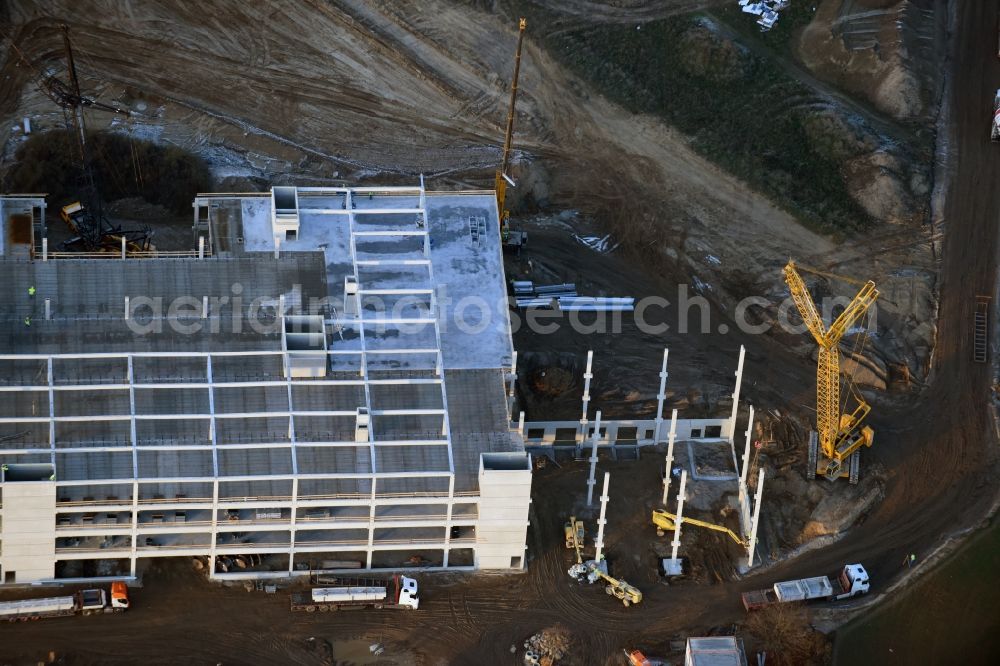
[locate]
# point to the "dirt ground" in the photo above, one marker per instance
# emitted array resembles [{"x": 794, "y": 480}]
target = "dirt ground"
[
  {"x": 407, "y": 93},
  {"x": 460, "y": 621}
]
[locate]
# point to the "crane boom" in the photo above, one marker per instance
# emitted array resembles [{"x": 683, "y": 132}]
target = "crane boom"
[
  {"x": 838, "y": 434},
  {"x": 501, "y": 182}
]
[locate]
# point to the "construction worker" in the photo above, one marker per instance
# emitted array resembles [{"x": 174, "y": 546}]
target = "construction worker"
[
  {"x": 31, "y": 291},
  {"x": 27, "y": 321}
]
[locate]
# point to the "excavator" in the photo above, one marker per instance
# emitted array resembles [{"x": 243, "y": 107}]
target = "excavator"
[
  {"x": 574, "y": 532},
  {"x": 667, "y": 522},
  {"x": 839, "y": 435}
]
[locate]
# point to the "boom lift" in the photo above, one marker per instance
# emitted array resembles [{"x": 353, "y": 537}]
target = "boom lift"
[
  {"x": 840, "y": 434},
  {"x": 667, "y": 522}
]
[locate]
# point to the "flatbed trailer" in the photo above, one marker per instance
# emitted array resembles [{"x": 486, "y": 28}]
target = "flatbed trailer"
[
  {"x": 84, "y": 602},
  {"x": 850, "y": 582},
  {"x": 399, "y": 592}
]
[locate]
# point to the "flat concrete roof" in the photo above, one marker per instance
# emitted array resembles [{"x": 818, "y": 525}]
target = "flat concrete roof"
[{"x": 177, "y": 399}]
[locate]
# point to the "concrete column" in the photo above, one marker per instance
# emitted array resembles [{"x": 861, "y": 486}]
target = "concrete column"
[
  {"x": 591, "y": 481},
  {"x": 587, "y": 376},
  {"x": 126, "y": 307},
  {"x": 277, "y": 247},
  {"x": 676, "y": 544},
  {"x": 744, "y": 508},
  {"x": 123, "y": 247},
  {"x": 281, "y": 305},
  {"x": 670, "y": 455},
  {"x": 513, "y": 375},
  {"x": 45, "y": 249},
  {"x": 520, "y": 424},
  {"x": 660, "y": 397},
  {"x": 512, "y": 380},
  {"x": 602, "y": 521},
  {"x": 447, "y": 520},
  {"x": 204, "y": 307},
  {"x": 201, "y": 245},
  {"x": 731, "y": 428},
  {"x": 48, "y": 309},
  {"x": 756, "y": 518}
]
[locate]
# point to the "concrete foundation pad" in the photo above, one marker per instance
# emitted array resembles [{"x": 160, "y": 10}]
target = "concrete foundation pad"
[{"x": 672, "y": 566}]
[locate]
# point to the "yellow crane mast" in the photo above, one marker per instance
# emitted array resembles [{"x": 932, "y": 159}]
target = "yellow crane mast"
[
  {"x": 501, "y": 175},
  {"x": 840, "y": 434}
]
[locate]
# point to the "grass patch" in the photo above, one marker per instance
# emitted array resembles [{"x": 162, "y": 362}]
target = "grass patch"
[
  {"x": 741, "y": 111},
  {"x": 949, "y": 617},
  {"x": 124, "y": 167}
]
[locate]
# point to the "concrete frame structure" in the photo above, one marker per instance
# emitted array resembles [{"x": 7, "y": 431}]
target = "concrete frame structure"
[{"x": 361, "y": 460}]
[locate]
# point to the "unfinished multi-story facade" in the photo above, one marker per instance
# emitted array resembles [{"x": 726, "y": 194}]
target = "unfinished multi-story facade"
[{"x": 320, "y": 385}]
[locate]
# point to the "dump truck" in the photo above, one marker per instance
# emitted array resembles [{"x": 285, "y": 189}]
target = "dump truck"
[
  {"x": 851, "y": 582},
  {"x": 995, "y": 125},
  {"x": 84, "y": 602},
  {"x": 355, "y": 593}
]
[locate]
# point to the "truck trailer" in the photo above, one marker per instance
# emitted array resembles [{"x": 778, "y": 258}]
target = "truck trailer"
[
  {"x": 84, "y": 602},
  {"x": 354, "y": 593},
  {"x": 851, "y": 582},
  {"x": 995, "y": 125}
]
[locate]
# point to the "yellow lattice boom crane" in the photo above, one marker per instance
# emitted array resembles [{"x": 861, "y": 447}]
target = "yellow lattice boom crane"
[
  {"x": 840, "y": 434},
  {"x": 511, "y": 240}
]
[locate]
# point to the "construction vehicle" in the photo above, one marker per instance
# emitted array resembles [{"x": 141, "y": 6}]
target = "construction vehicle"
[
  {"x": 512, "y": 241},
  {"x": 839, "y": 435},
  {"x": 574, "y": 532},
  {"x": 96, "y": 234},
  {"x": 851, "y": 582},
  {"x": 618, "y": 588},
  {"x": 995, "y": 125},
  {"x": 637, "y": 658},
  {"x": 84, "y": 602},
  {"x": 91, "y": 229},
  {"x": 354, "y": 593},
  {"x": 667, "y": 522}
]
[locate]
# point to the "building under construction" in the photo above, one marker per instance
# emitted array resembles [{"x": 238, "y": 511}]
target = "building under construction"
[{"x": 320, "y": 384}]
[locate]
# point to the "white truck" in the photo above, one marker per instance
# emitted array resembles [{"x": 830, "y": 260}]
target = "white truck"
[
  {"x": 352, "y": 593},
  {"x": 995, "y": 125},
  {"x": 852, "y": 581},
  {"x": 84, "y": 602}
]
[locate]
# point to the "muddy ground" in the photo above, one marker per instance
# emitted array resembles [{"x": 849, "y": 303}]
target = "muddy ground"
[{"x": 408, "y": 94}]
